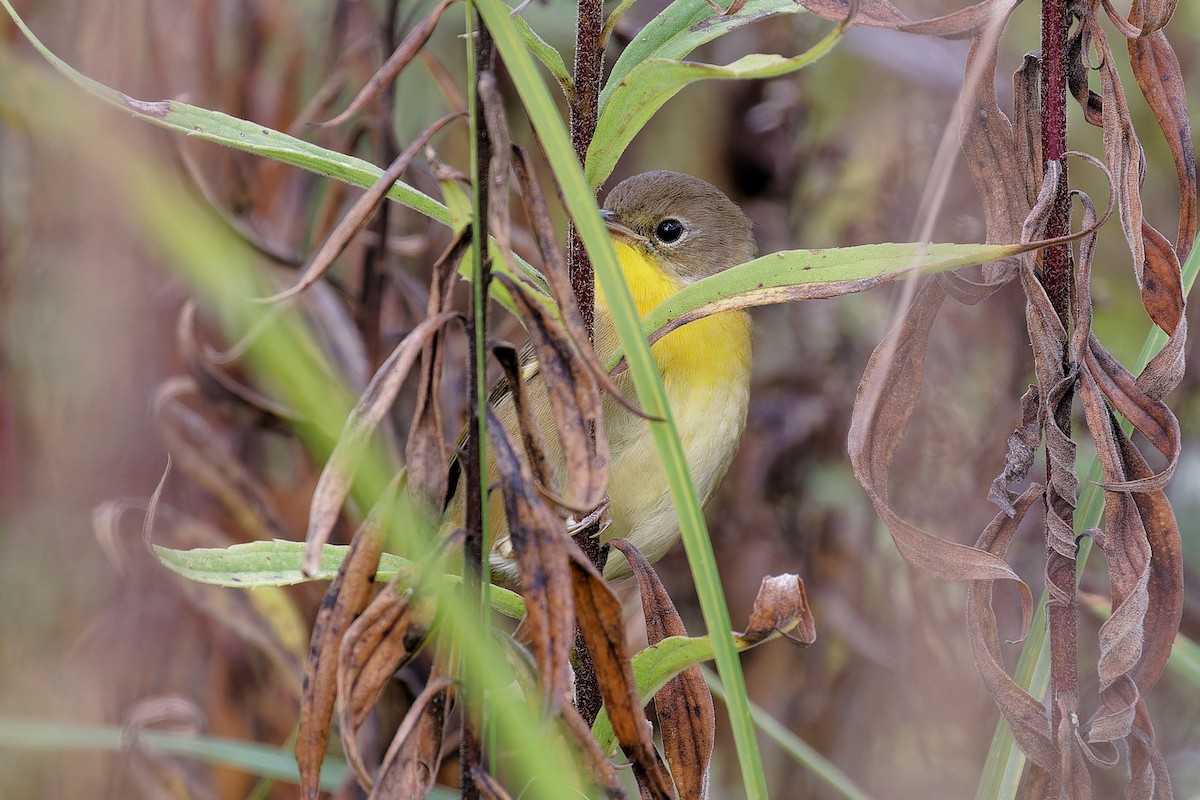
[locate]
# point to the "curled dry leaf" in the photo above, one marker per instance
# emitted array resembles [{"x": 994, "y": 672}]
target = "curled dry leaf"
[
  {"x": 1025, "y": 714},
  {"x": 960, "y": 24},
  {"x": 531, "y": 433},
  {"x": 388, "y": 633},
  {"x": 197, "y": 449},
  {"x": 359, "y": 214},
  {"x": 410, "y": 765},
  {"x": 1157, "y": 72},
  {"x": 884, "y": 405},
  {"x": 600, "y": 770},
  {"x": 334, "y": 484},
  {"x": 425, "y": 450},
  {"x": 558, "y": 278},
  {"x": 213, "y": 382},
  {"x": 539, "y": 544},
  {"x": 574, "y": 400},
  {"x": 598, "y": 613},
  {"x": 346, "y": 597},
  {"x": 156, "y": 774},
  {"x": 780, "y": 607},
  {"x": 397, "y": 61},
  {"x": 684, "y": 706}
]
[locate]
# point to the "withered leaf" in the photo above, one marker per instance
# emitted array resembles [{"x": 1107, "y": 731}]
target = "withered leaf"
[
  {"x": 884, "y": 405},
  {"x": 425, "y": 450},
  {"x": 390, "y": 631},
  {"x": 334, "y": 484},
  {"x": 397, "y": 61},
  {"x": 600, "y": 622},
  {"x": 684, "y": 706},
  {"x": 1022, "y": 447},
  {"x": 556, "y": 273},
  {"x": 531, "y": 432},
  {"x": 359, "y": 214},
  {"x": 1025, "y": 714},
  {"x": 1151, "y": 417},
  {"x": 346, "y": 597},
  {"x": 410, "y": 765},
  {"x": 781, "y": 606},
  {"x": 574, "y": 399},
  {"x": 1158, "y": 75},
  {"x": 539, "y": 543},
  {"x": 199, "y": 451}
]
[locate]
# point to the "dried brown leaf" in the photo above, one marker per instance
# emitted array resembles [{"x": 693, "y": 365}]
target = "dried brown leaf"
[
  {"x": 397, "y": 61},
  {"x": 1122, "y": 150},
  {"x": 1157, "y": 72},
  {"x": 212, "y": 380},
  {"x": 1150, "y": 416},
  {"x": 574, "y": 399},
  {"x": 199, "y": 451},
  {"x": 780, "y": 607},
  {"x": 391, "y": 630},
  {"x": 540, "y": 546},
  {"x": 556, "y": 274},
  {"x": 601, "y": 624},
  {"x": 601, "y": 772},
  {"x": 886, "y": 399},
  {"x": 410, "y": 765},
  {"x": 684, "y": 705},
  {"x": 360, "y": 214},
  {"x": 1025, "y": 714},
  {"x": 425, "y": 450},
  {"x": 1019, "y": 454},
  {"x": 960, "y": 24},
  {"x": 334, "y": 484},
  {"x": 346, "y": 597}
]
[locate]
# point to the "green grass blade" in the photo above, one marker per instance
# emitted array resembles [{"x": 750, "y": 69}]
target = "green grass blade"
[
  {"x": 1005, "y": 762},
  {"x": 551, "y": 59},
  {"x": 276, "y": 763},
  {"x": 581, "y": 204}
]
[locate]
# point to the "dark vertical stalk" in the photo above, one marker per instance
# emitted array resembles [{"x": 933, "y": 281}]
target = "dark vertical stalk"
[
  {"x": 474, "y": 550},
  {"x": 374, "y": 272},
  {"x": 1057, "y": 277},
  {"x": 584, "y": 109}
]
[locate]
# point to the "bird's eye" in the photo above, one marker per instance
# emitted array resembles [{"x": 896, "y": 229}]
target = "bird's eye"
[{"x": 669, "y": 230}]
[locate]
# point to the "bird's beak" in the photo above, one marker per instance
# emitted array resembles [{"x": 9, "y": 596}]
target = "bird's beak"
[{"x": 618, "y": 230}]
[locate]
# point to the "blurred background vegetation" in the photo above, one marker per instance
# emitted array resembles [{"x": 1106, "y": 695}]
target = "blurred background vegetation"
[{"x": 833, "y": 155}]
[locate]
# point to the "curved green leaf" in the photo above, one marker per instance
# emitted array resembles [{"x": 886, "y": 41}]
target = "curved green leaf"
[
  {"x": 278, "y": 562},
  {"x": 812, "y": 274},
  {"x": 551, "y": 59},
  {"x": 649, "y": 85},
  {"x": 682, "y": 27}
]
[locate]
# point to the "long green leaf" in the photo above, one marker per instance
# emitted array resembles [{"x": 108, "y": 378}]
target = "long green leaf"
[
  {"x": 649, "y": 85},
  {"x": 279, "y": 563},
  {"x": 581, "y": 203},
  {"x": 683, "y": 26},
  {"x": 812, "y": 274},
  {"x": 1005, "y": 762}
]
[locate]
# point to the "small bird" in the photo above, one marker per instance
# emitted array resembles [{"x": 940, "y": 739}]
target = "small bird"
[{"x": 669, "y": 230}]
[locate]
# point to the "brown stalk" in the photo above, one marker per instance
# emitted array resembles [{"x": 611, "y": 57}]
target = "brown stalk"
[
  {"x": 585, "y": 109},
  {"x": 1056, "y": 277}
]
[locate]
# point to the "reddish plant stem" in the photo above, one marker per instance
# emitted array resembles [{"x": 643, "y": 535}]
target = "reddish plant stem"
[
  {"x": 584, "y": 110},
  {"x": 1058, "y": 279}
]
